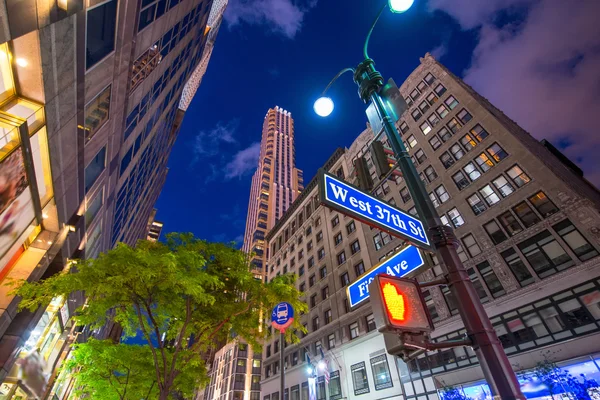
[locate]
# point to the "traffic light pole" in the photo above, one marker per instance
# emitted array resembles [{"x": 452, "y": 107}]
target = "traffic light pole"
[{"x": 490, "y": 353}]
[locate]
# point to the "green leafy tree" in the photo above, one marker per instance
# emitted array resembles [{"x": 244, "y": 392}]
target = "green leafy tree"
[
  {"x": 105, "y": 370},
  {"x": 184, "y": 296}
]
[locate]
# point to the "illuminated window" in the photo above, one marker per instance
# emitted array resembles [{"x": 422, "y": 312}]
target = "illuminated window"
[
  {"x": 484, "y": 162},
  {"x": 381, "y": 372},
  {"x": 93, "y": 207},
  {"x": 97, "y": 113},
  {"x": 145, "y": 64},
  {"x": 543, "y": 204},
  {"x": 497, "y": 152},
  {"x": 353, "y": 329},
  {"x": 503, "y": 185}
]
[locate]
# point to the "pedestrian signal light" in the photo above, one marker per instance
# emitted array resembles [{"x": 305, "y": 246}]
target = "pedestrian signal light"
[{"x": 398, "y": 305}]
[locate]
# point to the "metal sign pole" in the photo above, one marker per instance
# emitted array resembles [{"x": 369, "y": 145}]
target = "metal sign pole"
[{"x": 282, "y": 358}]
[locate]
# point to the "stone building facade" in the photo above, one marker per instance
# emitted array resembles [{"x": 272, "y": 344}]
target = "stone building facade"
[{"x": 528, "y": 223}]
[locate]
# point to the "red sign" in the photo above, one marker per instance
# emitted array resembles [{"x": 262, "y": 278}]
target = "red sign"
[{"x": 398, "y": 305}]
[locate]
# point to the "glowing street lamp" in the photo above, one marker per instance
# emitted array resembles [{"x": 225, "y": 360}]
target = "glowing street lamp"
[
  {"x": 400, "y": 6},
  {"x": 323, "y": 106}
]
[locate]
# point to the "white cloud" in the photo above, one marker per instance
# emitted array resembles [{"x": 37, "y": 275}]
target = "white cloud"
[
  {"x": 243, "y": 162},
  {"x": 542, "y": 73},
  {"x": 206, "y": 143},
  {"x": 439, "y": 51},
  {"x": 282, "y": 17}
]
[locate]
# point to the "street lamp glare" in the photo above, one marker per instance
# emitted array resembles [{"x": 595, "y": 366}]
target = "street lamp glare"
[
  {"x": 309, "y": 370},
  {"x": 323, "y": 106},
  {"x": 400, "y": 6},
  {"x": 321, "y": 365}
]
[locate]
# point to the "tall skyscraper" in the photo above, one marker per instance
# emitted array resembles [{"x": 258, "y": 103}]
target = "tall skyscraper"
[
  {"x": 89, "y": 95},
  {"x": 235, "y": 371},
  {"x": 529, "y": 227},
  {"x": 275, "y": 184}
]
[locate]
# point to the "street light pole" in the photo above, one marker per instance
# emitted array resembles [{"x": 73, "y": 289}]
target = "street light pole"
[{"x": 488, "y": 348}]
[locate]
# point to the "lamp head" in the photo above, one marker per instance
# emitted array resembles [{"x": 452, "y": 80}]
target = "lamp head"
[
  {"x": 400, "y": 6},
  {"x": 323, "y": 106}
]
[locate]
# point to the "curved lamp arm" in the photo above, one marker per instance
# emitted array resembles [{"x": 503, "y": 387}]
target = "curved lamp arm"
[
  {"x": 371, "y": 31},
  {"x": 342, "y": 72}
]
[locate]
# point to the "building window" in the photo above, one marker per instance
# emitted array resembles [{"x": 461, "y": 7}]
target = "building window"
[
  {"x": 424, "y": 106},
  {"x": 430, "y": 78},
  {"x": 100, "y": 34},
  {"x": 359, "y": 268},
  {"x": 576, "y": 242},
  {"x": 430, "y": 173},
  {"x": 517, "y": 175},
  {"x": 442, "y": 194},
  {"x": 450, "y": 300},
  {"x": 425, "y": 128},
  {"x": 97, "y": 113},
  {"x": 471, "y": 245},
  {"x": 489, "y": 195},
  {"x": 335, "y": 386},
  {"x": 321, "y": 253},
  {"x": 442, "y": 111},
  {"x": 405, "y": 194},
  {"x": 93, "y": 207},
  {"x": 371, "y": 323},
  {"x": 416, "y": 114},
  {"x": 483, "y": 296},
  {"x": 432, "y": 98},
  {"x": 302, "y": 287},
  {"x": 497, "y": 152},
  {"x": 315, "y": 324},
  {"x": 444, "y": 220},
  {"x": 309, "y": 245},
  {"x": 484, "y": 162},
  {"x": 353, "y": 329},
  {"x": 404, "y": 127},
  {"x": 345, "y": 279},
  {"x": 323, "y": 272},
  {"x": 319, "y": 236},
  {"x": 543, "y": 204},
  {"x": 430, "y": 305},
  {"x": 464, "y": 116},
  {"x": 545, "y": 255},
  {"x": 468, "y": 142},
  {"x": 311, "y": 262},
  {"x": 331, "y": 340},
  {"x": 381, "y": 372},
  {"x": 412, "y": 142},
  {"x": 510, "y": 224},
  {"x": 490, "y": 279},
  {"x": 341, "y": 258},
  {"x": 335, "y": 221},
  {"x": 479, "y": 133},
  {"x": 518, "y": 268},
  {"x": 434, "y": 119},
  {"x": 526, "y": 214},
  {"x": 451, "y": 102},
  {"x": 95, "y": 168},
  {"x": 472, "y": 171},
  {"x": 444, "y": 134},
  {"x": 351, "y": 227},
  {"x": 312, "y": 280},
  {"x": 440, "y": 90},
  {"x": 338, "y": 238},
  {"x": 435, "y": 142},
  {"x": 328, "y": 317},
  {"x": 503, "y": 185},
  {"x": 495, "y": 232},
  {"x": 460, "y": 180},
  {"x": 453, "y": 125},
  {"x": 457, "y": 151},
  {"x": 313, "y": 300},
  {"x": 456, "y": 218},
  {"x": 477, "y": 205},
  {"x": 420, "y": 156},
  {"x": 447, "y": 160},
  {"x": 355, "y": 247},
  {"x": 415, "y": 94},
  {"x": 300, "y": 254}
]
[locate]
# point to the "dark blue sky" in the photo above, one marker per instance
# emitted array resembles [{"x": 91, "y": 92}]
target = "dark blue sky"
[{"x": 261, "y": 60}]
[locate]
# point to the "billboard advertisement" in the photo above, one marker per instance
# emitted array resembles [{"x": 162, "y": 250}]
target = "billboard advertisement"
[{"x": 16, "y": 209}]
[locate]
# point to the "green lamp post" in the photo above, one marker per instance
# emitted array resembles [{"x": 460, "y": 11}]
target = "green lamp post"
[{"x": 492, "y": 358}]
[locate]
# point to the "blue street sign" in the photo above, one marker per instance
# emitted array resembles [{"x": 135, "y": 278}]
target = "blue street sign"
[
  {"x": 282, "y": 316},
  {"x": 349, "y": 200},
  {"x": 404, "y": 262}
]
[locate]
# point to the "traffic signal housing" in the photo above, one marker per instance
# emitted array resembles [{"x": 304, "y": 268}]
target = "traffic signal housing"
[
  {"x": 361, "y": 168},
  {"x": 398, "y": 305},
  {"x": 383, "y": 158}
]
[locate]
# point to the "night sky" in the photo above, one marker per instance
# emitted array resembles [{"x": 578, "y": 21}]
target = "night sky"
[{"x": 537, "y": 60}]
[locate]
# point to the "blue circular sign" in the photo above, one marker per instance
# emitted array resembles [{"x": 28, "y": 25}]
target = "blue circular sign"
[{"x": 282, "y": 316}]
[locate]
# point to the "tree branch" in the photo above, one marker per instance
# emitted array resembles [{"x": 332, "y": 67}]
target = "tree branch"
[
  {"x": 147, "y": 336},
  {"x": 161, "y": 343},
  {"x": 181, "y": 337}
]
